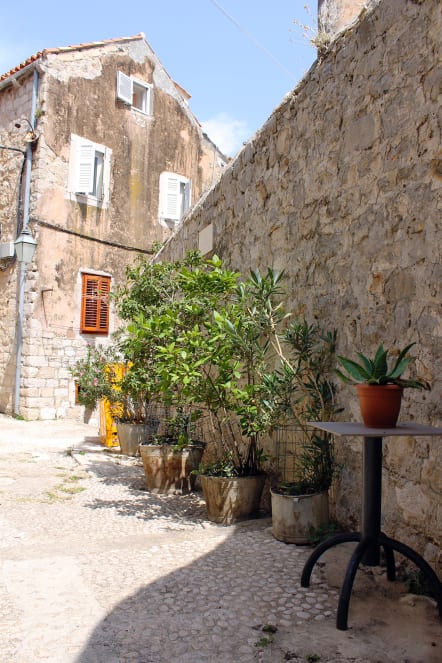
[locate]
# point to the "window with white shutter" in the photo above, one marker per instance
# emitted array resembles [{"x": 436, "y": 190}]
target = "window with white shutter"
[
  {"x": 175, "y": 196},
  {"x": 124, "y": 88},
  {"x": 134, "y": 93},
  {"x": 89, "y": 172}
]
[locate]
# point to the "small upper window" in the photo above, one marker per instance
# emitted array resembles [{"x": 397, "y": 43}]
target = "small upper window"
[
  {"x": 134, "y": 92},
  {"x": 89, "y": 171}
]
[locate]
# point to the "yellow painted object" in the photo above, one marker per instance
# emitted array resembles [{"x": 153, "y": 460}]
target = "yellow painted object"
[
  {"x": 108, "y": 413},
  {"x": 108, "y": 427}
]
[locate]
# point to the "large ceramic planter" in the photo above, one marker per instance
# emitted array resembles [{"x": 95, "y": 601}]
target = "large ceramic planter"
[
  {"x": 170, "y": 471},
  {"x": 229, "y": 500},
  {"x": 131, "y": 435},
  {"x": 294, "y": 518},
  {"x": 380, "y": 404}
]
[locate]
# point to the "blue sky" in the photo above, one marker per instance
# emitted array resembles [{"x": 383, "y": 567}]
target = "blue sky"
[{"x": 237, "y": 58}]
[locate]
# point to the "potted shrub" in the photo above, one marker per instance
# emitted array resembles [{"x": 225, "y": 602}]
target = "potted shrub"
[
  {"x": 214, "y": 339},
  {"x": 134, "y": 404},
  {"x": 243, "y": 394},
  {"x": 304, "y": 457},
  {"x": 171, "y": 455},
  {"x": 126, "y": 381},
  {"x": 93, "y": 380},
  {"x": 379, "y": 386},
  {"x": 94, "y": 386},
  {"x": 160, "y": 312},
  {"x": 217, "y": 345}
]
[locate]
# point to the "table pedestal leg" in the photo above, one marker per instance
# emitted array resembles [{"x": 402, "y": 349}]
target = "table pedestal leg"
[
  {"x": 372, "y": 498},
  {"x": 370, "y": 539}
]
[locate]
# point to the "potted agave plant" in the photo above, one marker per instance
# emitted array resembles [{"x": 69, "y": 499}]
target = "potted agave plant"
[{"x": 379, "y": 386}]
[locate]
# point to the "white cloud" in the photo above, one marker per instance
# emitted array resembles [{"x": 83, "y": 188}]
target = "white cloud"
[{"x": 226, "y": 132}]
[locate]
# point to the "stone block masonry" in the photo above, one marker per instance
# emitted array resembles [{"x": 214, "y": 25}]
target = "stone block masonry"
[{"x": 342, "y": 188}]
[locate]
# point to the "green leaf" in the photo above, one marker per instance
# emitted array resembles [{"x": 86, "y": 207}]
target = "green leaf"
[
  {"x": 400, "y": 359},
  {"x": 380, "y": 365},
  {"x": 356, "y": 371},
  {"x": 399, "y": 368}
]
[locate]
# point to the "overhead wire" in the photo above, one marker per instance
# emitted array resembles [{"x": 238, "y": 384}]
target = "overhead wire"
[{"x": 254, "y": 40}]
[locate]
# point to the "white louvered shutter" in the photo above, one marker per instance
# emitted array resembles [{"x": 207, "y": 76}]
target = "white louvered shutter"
[
  {"x": 84, "y": 181},
  {"x": 124, "y": 88},
  {"x": 173, "y": 198},
  {"x": 169, "y": 196}
]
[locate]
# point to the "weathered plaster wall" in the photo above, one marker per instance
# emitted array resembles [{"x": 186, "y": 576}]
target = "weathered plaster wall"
[{"x": 342, "y": 188}]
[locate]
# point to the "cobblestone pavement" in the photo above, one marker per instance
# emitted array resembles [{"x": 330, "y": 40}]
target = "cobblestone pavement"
[{"x": 94, "y": 569}]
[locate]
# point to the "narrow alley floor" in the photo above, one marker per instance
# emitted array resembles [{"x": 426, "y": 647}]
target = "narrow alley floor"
[{"x": 95, "y": 569}]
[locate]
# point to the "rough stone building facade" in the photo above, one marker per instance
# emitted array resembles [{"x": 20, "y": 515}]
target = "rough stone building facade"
[
  {"x": 115, "y": 160},
  {"x": 342, "y": 188},
  {"x": 334, "y": 15}
]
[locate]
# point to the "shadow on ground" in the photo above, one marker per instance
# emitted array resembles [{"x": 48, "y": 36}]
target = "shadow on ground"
[
  {"x": 218, "y": 608},
  {"x": 213, "y": 608}
]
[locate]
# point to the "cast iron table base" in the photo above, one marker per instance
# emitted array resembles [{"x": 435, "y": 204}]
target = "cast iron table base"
[{"x": 371, "y": 539}]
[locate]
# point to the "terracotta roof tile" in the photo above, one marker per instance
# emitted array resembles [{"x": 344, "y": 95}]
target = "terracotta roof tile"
[{"x": 64, "y": 49}]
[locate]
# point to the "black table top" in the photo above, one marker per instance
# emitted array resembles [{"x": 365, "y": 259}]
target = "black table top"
[{"x": 350, "y": 428}]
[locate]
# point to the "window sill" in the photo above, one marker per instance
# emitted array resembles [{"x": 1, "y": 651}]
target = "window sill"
[{"x": 84, "y": 199}]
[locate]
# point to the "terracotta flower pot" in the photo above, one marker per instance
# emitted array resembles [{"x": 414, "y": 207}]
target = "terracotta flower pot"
[{"x": 380, "y": 404}]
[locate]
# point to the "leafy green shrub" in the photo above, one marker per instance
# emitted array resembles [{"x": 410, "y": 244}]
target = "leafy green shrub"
[{"x": 94, "y": 377}]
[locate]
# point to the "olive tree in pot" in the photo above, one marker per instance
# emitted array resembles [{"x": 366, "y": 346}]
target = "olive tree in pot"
[
  {"x": 243, "y": 395},
  {"x": 305, "y": 460},
  {"x": 216, "y": 337},
  {"x": 161, "y": 313},
  {"x": 379, "y": 386}
]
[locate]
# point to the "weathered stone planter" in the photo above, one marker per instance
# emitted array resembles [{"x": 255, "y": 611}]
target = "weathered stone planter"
[
  {"x": 131, "y": 435},
  {"x": 229, "y": 500},
  {"x": 295, "y": 516},
  {"x": 170, "y": 471}
]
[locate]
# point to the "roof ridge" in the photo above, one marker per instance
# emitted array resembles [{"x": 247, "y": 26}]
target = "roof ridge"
[{"x": 64, "y": 49}]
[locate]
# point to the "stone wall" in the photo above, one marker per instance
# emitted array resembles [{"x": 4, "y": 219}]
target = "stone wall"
[
  {"x": 17, "y": 104},
  {"x": 342, "y": 188}
]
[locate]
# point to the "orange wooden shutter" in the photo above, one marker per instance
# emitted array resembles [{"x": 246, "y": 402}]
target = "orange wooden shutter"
[{"x": 95, "y": 304}]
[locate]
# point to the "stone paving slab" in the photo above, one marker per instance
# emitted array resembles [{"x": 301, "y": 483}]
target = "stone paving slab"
[{"x": 95, "y": 569}]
